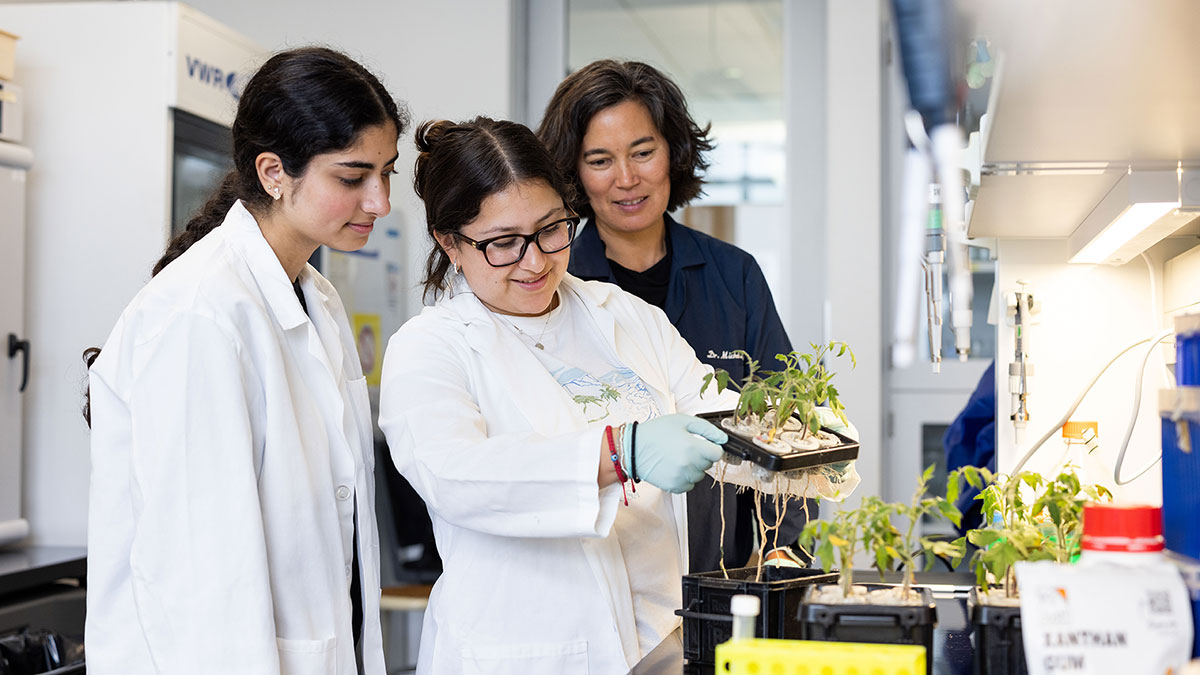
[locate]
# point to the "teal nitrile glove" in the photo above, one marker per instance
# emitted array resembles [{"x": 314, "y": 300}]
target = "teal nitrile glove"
[
  {"x": 830, "y": 421},
  {"x": 674, "y": 451}
]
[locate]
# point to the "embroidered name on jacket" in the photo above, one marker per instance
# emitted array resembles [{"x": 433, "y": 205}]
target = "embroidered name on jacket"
[{"x": 725, "y": 355}]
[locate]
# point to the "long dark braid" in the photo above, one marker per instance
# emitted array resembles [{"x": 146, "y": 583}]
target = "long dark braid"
[{"x": 204, "y": 221}]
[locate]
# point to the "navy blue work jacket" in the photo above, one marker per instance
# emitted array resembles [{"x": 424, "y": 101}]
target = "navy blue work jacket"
[
  {"x": 718, "y": 299},
  {"x": 971, "y": 441}
]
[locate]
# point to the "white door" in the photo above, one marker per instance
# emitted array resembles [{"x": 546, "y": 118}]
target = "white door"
[{"x": 14, "y": 162}]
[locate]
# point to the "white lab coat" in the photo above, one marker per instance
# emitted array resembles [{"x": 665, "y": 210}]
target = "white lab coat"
[
  {"x": 229, "y": 433},
  {"x": 534, "y": 579}
]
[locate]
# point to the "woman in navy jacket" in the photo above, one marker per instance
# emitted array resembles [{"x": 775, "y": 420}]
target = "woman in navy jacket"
[{"x": 621, "y": 132}]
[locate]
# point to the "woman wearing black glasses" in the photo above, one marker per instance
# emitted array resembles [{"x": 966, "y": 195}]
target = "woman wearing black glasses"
[{"x": 544, "y": 421}]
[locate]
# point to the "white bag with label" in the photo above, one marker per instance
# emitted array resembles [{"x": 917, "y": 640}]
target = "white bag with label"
[{"x": 1104, "y": 618}]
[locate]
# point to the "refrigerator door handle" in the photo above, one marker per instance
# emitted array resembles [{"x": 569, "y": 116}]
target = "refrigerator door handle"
[{"x": 16, "y": 345}]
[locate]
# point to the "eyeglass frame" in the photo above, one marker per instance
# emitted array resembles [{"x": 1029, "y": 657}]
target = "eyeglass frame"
[{"x": 572, "y": 221}]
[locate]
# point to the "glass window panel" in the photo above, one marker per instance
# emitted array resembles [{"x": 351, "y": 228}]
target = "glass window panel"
[{"x": 727, "y": 56}]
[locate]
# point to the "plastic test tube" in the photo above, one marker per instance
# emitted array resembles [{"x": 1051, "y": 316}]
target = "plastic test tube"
[{"x": 745, "y": 611}]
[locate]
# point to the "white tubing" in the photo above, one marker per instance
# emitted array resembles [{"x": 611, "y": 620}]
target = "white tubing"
[
  {"x": 1137, "y": 404},
  {"x": 1071, "y": 411}
]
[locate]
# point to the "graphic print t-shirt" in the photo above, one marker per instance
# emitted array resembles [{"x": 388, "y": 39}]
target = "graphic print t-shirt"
[{"x": 608, "y": 392}]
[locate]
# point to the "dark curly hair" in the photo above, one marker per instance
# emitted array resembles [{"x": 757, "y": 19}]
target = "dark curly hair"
[
  {"x": 603, "y": 84},
  {"x": 460, "y": 164}
]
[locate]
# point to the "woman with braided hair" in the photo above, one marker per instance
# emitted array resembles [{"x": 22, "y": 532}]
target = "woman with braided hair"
[{"x": 231, "y": 519}]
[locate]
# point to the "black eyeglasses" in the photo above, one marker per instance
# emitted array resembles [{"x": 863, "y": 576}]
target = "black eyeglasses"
[{"x": 510, "y": 248}]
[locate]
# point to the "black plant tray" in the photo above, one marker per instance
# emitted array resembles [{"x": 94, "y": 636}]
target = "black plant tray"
[
  {"x": 706, "y": 597},
  {"x": 999, "y": 649},
  {"x": 876, "y": 624},
  {"x": 746, "y": 449}
]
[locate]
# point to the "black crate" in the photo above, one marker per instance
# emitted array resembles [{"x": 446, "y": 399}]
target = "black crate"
[
  {"x": 999, "y": 649},
  {"x": 877, "y": 624},
  {"x": 706, "y": 597},
  {"x": 746, "y": 449}
]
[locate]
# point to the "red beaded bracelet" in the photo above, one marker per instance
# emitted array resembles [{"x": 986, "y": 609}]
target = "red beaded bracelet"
[{"x": 616, "y": 460}]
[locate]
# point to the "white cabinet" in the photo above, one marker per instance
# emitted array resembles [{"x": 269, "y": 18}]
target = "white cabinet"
[
  {"x": 14, "y": 164},
  {"x": 102, "y": 82}
]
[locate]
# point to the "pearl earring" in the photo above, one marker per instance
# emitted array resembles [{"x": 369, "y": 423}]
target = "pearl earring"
[{"x": 275, "y": 192}]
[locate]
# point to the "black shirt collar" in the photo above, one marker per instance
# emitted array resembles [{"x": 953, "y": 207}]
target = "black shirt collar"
[{"x": 588, "y": 260}]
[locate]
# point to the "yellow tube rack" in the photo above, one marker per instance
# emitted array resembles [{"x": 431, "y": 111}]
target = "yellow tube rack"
[{"x": 803, "y": 657}]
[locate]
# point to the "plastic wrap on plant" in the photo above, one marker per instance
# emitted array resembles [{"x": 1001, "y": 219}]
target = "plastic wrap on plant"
[{"x": 833, "y": 482}]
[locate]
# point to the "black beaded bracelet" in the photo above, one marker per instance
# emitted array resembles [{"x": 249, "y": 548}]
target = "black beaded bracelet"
[{"x": 633, "y": 453}]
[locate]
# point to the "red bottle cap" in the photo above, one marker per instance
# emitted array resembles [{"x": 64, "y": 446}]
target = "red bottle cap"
[{"x": 1132, "y": 528}]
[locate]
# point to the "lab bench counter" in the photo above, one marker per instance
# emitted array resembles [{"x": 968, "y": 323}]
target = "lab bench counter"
[
  {"x": 44, "y": 589},
  {"x": 951, "y": 638},
  {"x": 29, "y": 567}
]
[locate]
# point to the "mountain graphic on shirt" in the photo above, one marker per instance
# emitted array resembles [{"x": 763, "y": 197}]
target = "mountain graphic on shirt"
[{"x": 596, "y": 395}]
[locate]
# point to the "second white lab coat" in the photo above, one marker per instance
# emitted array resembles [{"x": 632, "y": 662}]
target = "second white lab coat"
[
  {"x": 230, "y": 436},
  {"x": 534, "y": 581}
]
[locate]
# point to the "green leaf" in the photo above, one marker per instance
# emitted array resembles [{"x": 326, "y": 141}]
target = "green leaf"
[
  {"x": 960, "y": 547},
  {"x": 882, "y": 562},
  {"x": 950, "y": 512},
  {"x": 824, "y": 553},
  {"x": 983, "y": 538},
  {"x": 1056, "y": 511},
  {"x": 928, "y": 475},
  {"x": 952, "y": 487},
  {"x": 945, "y": 549},
  {"x": 1001, "y": 556}
]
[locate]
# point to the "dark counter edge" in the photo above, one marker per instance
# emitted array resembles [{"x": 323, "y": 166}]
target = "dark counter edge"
[{"x": 23, "y": 568}]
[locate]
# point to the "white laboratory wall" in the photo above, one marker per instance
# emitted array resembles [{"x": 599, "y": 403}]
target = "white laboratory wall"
[
  {"x": 1089, "y": 313},
  {"x": 446, "y": 59},
  {"x": 1181, "y": 285}
]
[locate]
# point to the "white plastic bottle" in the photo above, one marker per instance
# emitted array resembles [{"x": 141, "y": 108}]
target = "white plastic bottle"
[
  {"x": 1122, "y": 609},
  {"x": 745, "y": 610}
]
